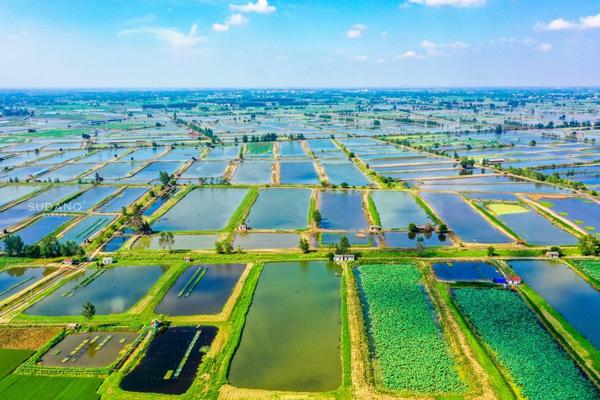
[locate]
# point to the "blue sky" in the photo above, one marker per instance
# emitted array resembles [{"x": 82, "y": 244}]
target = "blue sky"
[{"x": 308, "y": 43}]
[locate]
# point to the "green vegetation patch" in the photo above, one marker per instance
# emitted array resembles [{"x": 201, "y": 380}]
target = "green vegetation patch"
[
  {"x": 10, "y": 359},
  {"x": 31, "y": 387},
  {"x": 510, "y": 331},
  {"x": 506, "y": 208},
  {"x": 410, "y": 350}
]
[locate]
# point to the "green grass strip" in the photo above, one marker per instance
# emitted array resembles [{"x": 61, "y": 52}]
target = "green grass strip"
[{"x": 186, "y": 355}]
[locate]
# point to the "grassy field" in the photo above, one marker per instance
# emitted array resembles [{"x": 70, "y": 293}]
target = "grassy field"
[
  {"x": 11, "y": 359},
  {"x": 30, "y": 387}
]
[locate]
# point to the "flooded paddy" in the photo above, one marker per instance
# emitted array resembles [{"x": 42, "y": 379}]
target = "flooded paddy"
[
  {"x": 342, "y": 210},
  {"x": 86, "y": 228},
  {"x": 66, "y": 172},
  {"x": 398, "y": 209},
  {"x": 150, "y": 173},
  {"x": 41, "y": 228},
  {"x": 566, "y": 291},
  {"x": 11, "y": 193},
  {"x": 223, "y": 153},
  {"x": 123, "y": 199},
  {"x": 292, "y": 343},
  {"x": 253, "y": 173},
  {"x": 111, "y": 290},
  {"x": 15, "y": 279},
  {"x": 201, "y": 289},
  {"x": 408, "y": 240},
  {"x": 171, "y": 360},
  {"x": 298, "y": 173},
  {"x": 531, "y": 226},
  {"x": 261, "y": 241},
  {"x": 202, "y": 209},
  {"x": 465, "y": 271},
  {"x": 88, "y": 350},
  {"x": 583, "y": 212},
  {"x": 280, "y": 209},
  {"x": 345, "y": 172},
  {"x": 203, "y": 170},
  {"x": 88, "y": 199},
  {"x": 182, "y": 242},
  {"x": 461, "y": 218},
  {"x": 291, "y": 149}
]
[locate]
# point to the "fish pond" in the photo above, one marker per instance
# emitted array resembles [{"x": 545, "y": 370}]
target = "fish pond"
[
  {"x": 465, "y": 271},
  {"x": 280, "y": 209},
  {"x": 41, "y": 228},
  {"x": 88, "y": 349},
  {"x": 171, "y": 360},
  {"x": 111, "y": 290},
  {"x": 398, "y": 209},
  {"x": 266, "y": 240},
  {"x": 298, "y": 172},
  {"x": 123, "y": 199},
  {"x": 201, "y": 289},
  {"x": 253, "y": 173},
  {"x": 566, "y": 291},
  {"x": 291, "y": 338},
  {"x": 202, "y": 209},
  {"x": 461, "y": 218},
  {"x": 342, "y": 210}
]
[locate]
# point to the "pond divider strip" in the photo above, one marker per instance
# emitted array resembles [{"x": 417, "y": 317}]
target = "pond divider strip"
[
  {"x": 16, "y": 285},
  {"x": 186, "y": 355},
  {"x": 192, "y": 283},
  {"x": 85, "y": 282}
]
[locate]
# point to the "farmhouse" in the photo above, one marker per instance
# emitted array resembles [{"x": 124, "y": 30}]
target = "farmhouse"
[
  {"x": 343, "y": 257},
  {"x": 552, "y": 254},
  {"x": 514, "y": 280}
]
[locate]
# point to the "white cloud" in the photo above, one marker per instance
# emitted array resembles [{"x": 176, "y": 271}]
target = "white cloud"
[
  {"x": 544, "y": 47},
  {"x": 431, "y": 48},
  {"x": 233, "y": 20},
  {"x": 380, "y": 61},
  {"x": 217, "y": 27},
  {"x": 261, "y": 6},
  {"x": 450, "y": 3},
  {"x": 356, "y": 31},
  {"x": 407, "y": 54},
  {"x": 170, "y": 36},
  {"x": 360, "y": 57},
  {"x": 561, "y": 24}
]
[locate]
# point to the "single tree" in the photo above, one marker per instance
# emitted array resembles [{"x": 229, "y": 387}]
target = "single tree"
[
  {"x": 166, "y": 240},
  {"x": 88, "y": 311},
  {"x": 491, "y": 251},
  {"x": 13, "y": 245},
  {"x": 304, "y": 245},
  {"x": 316, "y": 216}
]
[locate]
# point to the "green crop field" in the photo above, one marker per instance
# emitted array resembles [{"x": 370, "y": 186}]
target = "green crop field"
[
  {"x": 410, "y": 350},
  {"x": 537, "y": 364},
  {"x": 30, "y": 387},
  {"x": 11, "y": 359}
]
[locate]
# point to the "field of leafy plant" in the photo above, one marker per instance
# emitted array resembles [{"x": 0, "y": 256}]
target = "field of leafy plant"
[
  {"x": 410, "y": 351},
  {"x": 592, "y": 268},
  {"x": 522, "y": 346},
  {"x": 31, "y": 387}
]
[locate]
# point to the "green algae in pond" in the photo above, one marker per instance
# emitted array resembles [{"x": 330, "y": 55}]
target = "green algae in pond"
[{"x": 292, "y": 334}]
